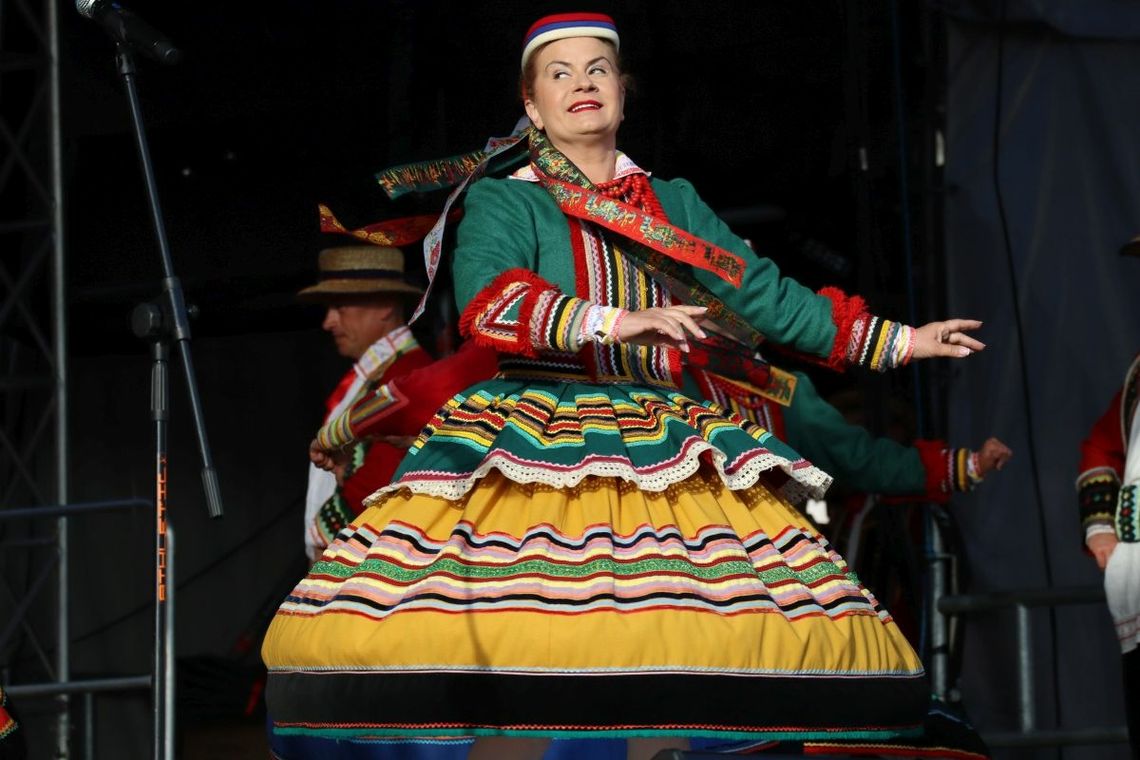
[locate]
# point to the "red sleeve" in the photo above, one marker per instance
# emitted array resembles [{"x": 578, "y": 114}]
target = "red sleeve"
[
  {"x": 1104, "y": 446},
  {"x": 1101, "y": 467},
  {"x": 409, "y": 362},
  {"x": 404, "y": 405},
  {"x": 380, "y": 463},
  {"x": 938, "y": 461},
  {"x": 846, "y": 312}
]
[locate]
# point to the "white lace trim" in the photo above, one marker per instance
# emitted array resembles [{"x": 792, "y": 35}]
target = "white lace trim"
[{"x": 803, "y": 482}]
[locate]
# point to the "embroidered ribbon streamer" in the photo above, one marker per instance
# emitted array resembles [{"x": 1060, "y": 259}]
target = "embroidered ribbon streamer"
[
  {"x": 393, "y": 232},
  {"x": 433, "y": 242},
  {"x": 426, "y": 176}
]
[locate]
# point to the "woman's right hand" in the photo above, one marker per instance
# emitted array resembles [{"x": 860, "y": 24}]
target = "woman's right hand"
[
  {"x": 664, "y": 326},
  {"x": 1102, "y": 545}
]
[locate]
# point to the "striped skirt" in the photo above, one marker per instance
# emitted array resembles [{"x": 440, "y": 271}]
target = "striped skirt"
[{"x": 694, "y": 601}]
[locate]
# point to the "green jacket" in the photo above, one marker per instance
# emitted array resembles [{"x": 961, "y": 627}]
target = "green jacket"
[
  {"x": 850, "y": 453},
  {"x": 511, "y": 223}
]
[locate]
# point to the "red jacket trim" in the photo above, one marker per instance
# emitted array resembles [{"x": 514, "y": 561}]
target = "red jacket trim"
[
  {"x": 845, "y": 312},
  {"x": 479, "y": 319}
]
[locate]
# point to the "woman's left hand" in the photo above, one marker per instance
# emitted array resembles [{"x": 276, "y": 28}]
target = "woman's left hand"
[{"x": 947, "y": 339}]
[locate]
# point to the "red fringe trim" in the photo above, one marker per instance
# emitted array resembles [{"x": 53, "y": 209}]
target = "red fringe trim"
[
  {"x": 487, "y": 296},
  {"x": 845, "y": 311}
]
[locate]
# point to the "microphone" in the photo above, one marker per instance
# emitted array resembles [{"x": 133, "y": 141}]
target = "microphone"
[{"x": 128, "y": 29}]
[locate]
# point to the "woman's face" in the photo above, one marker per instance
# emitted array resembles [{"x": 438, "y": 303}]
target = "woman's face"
[{"x": 578, "y": 96}]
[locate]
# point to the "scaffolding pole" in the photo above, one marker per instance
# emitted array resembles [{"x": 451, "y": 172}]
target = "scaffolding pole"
[
  {"x": 59, "y": 343},
  {"x": 34, "y": 448}
]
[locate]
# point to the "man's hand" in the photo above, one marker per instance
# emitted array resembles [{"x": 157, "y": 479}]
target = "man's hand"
[
  {"x": 992, "y": 456},
  {"x": 1102, "y": 545},
  {"x": 327, "y": 460}
]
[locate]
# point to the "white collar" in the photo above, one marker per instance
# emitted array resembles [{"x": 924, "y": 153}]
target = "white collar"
[{"x": 382, "y": 352}]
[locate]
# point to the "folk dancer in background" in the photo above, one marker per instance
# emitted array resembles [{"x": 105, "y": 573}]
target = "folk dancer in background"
[
  {"x": 1108, "y": 494},
  {"x": 365, "y": 293}
]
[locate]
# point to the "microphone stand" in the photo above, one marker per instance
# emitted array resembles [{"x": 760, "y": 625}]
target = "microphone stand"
[{"x": 160, "y": 324}]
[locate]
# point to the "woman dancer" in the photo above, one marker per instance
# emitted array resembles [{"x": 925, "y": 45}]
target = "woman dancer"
[{"x": 578, "y": 548}]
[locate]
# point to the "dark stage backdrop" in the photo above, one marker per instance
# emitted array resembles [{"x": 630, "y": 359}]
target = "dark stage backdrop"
[
  {"x": 1070, "y": 180},
  {"x": 279, "y": 105}
]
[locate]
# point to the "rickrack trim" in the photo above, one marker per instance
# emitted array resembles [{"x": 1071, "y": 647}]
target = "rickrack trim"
[
  {"x": 803, "y": 481},
  {"x": 880, "y": 344}
]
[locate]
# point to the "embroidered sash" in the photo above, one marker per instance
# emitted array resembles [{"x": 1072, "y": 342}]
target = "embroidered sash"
[
  {"x": 634, "y": 224},
  {"x": 656, "y": 246}
]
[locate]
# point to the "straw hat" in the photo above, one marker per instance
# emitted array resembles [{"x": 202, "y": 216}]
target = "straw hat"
[{"x": 359, "y": 270}]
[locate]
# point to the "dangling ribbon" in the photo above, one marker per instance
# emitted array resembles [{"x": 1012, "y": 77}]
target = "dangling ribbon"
[
  {"x": 433, "y": 175},
  {"x": 393, "y": 232}
]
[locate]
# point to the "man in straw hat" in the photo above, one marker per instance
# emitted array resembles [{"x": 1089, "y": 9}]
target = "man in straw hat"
[
  {"x": 1108, "y": 494},
  {"x": 365, "y": 292}
]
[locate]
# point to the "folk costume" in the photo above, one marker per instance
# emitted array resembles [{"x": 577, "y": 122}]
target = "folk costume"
[
  {"x": 354, "y": 271},
  {"x": 402, "y": 406},
  {"x": 581, "y": 547},
  {"x": 1108, "y": 489}
]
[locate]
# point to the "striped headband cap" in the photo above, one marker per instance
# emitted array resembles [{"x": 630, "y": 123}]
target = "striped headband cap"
[{"x": 563, "y": 25}]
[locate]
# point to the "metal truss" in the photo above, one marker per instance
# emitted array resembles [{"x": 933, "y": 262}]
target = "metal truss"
[{"x": 33, "y": 350}]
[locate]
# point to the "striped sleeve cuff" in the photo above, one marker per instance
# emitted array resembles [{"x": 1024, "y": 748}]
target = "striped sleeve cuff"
[
  {"x": 1097, "y": 493},
  {"x": 962, "y": 465},
  {"x": 880, "y": 344},
  {"x": 336, "y": 433},
  {"x": 1098, "y": 529},
  {"x": 948, "y": 470},
  {"x": 566, "y": 323},
  {"x": 519, "y": 312}
]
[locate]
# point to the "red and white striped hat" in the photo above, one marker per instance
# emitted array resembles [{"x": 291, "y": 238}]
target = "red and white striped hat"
[{"x": 563, "y": 25}]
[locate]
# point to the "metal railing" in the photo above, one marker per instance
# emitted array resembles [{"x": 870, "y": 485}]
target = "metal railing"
[
  {"x": 89, "y": 688},
  {"x": 1029, "y": 734}
]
